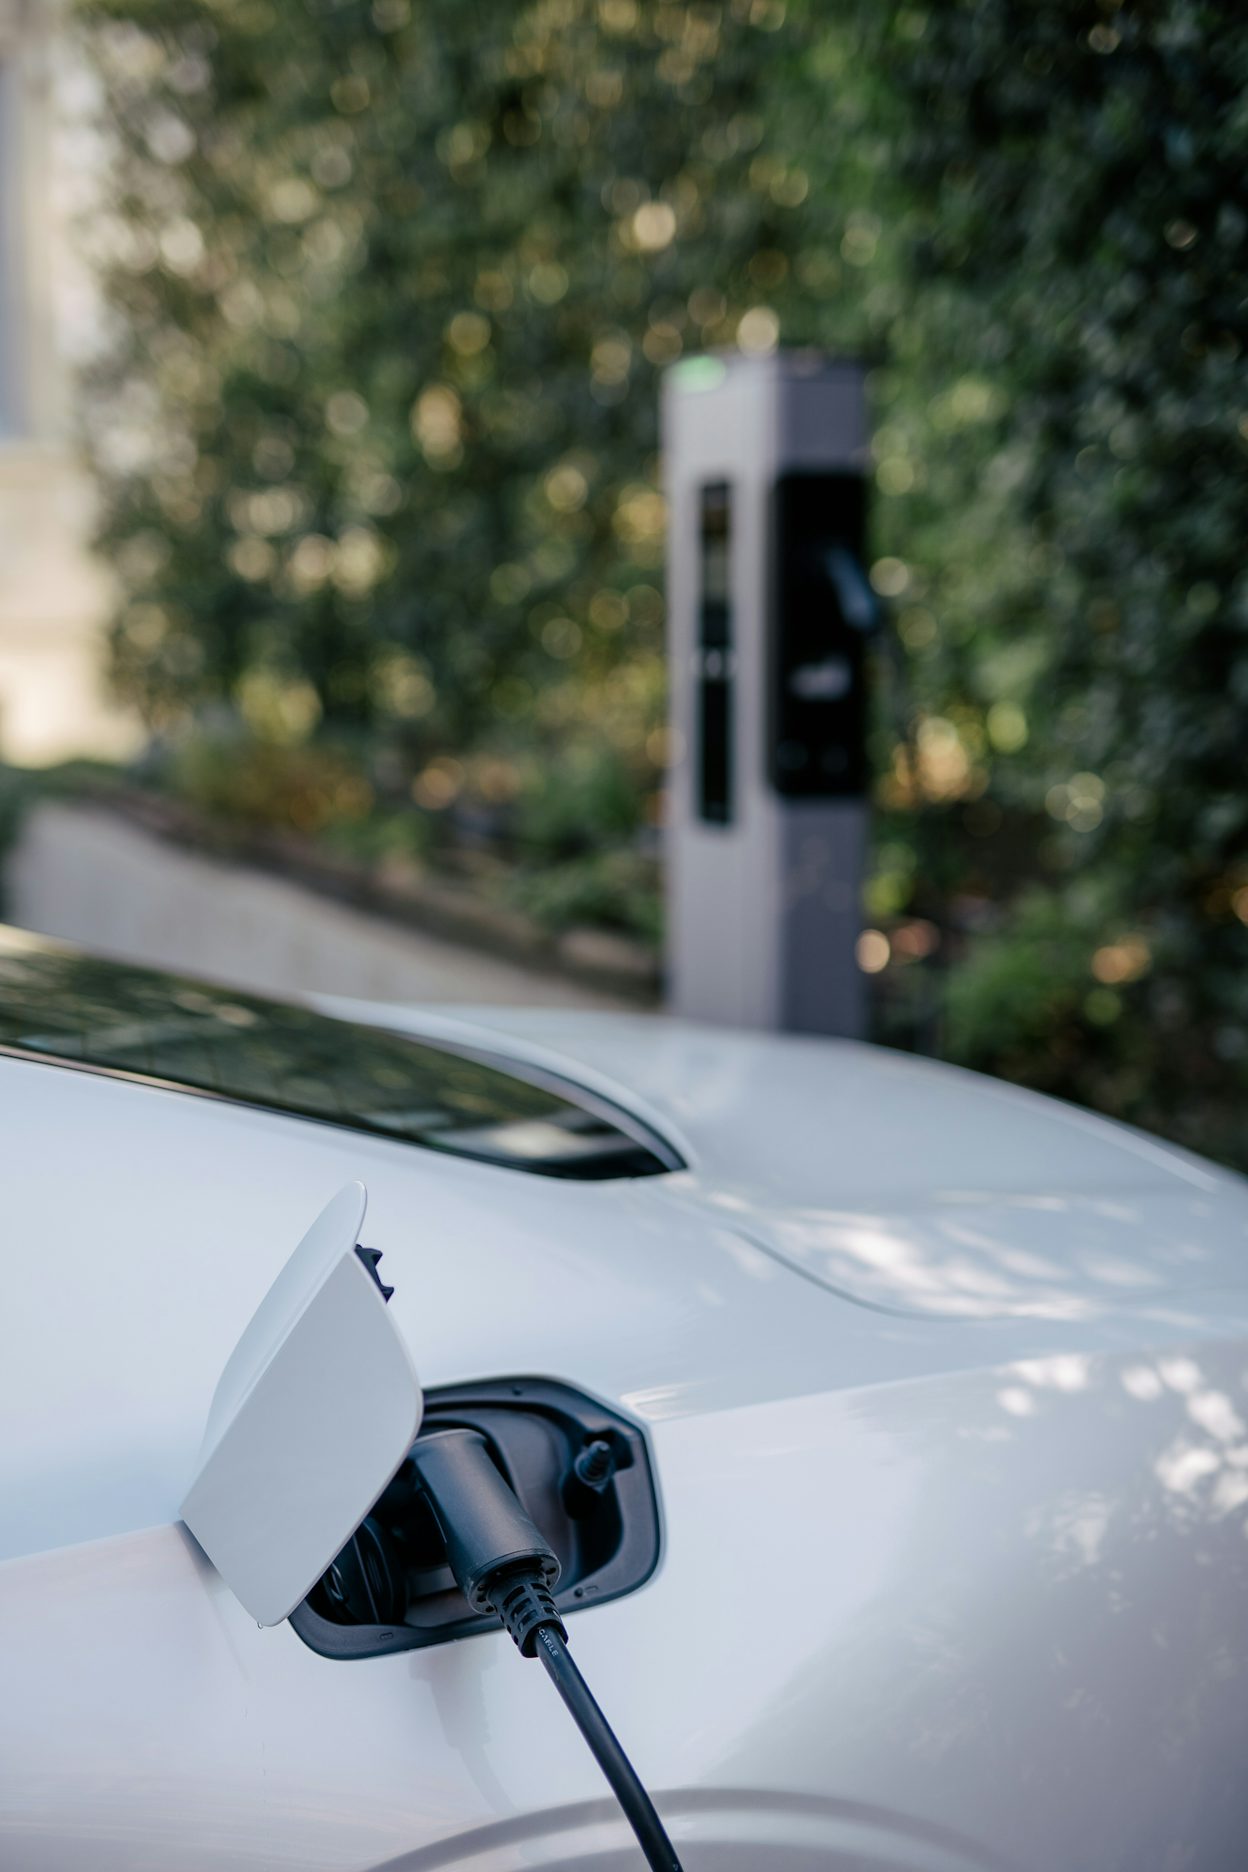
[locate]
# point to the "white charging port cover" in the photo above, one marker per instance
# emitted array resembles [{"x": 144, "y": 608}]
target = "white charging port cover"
[{"x": 315, "y": 1410}]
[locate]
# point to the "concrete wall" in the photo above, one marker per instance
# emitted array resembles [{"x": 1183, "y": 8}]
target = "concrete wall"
[{"x": 90, "y": 878}]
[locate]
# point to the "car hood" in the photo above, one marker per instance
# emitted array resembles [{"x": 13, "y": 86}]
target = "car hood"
[{"x": 898, "y": 1183}]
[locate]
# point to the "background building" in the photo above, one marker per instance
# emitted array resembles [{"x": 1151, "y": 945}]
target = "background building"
[{"x": 53, "y": 595}]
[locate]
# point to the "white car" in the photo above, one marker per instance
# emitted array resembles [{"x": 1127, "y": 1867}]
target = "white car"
[{"x": 888, "y": 1426}]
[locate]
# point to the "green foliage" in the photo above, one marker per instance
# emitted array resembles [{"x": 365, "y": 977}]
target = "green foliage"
[
  {"x": 1027, "y": 993},
  {"x": 588, "y": 791},
  {"x": 234, "y": 777},
  {"x": 1077, "y": 230},
  {"x": 615, "y": 890},
  {"x": 15, "y": 799},
  {"x": 394, "y": 285},
  {"x": 577, "y": 826}
]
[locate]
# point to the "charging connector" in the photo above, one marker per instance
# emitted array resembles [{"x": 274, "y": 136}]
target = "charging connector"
[
  {"x": 502, "y": 1563},
  {"x": 486, "y": 1531}
]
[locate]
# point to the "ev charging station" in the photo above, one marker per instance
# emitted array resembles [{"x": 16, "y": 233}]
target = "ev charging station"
[{"x": 769, "y": 618}]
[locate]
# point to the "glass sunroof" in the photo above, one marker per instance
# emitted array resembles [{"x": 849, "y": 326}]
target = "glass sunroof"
[{"x": 77, "y": 1010}]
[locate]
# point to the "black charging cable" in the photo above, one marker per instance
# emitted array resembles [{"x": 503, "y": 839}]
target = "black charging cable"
[
  {"x": 503, "y": 1565},
  {"x": 552, "y": 1648}
]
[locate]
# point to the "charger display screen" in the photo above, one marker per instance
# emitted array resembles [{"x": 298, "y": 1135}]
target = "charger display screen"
[{"x": 823, "y": 612}]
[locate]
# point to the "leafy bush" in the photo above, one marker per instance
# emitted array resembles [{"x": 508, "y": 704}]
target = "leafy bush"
[
  {"x": 588, "y": 793},
  {"x": 616, "y": 890},
  {"x": 1076, "y": 232},
  {"x": 247, "y": 782},
  {"x": 392, "y": 288},
  {"x": 15, "y": 797}
]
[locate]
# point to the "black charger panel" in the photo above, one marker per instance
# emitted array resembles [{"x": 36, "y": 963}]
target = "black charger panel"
[
  {"x": 713, "y": 665},
  {"x": 823, "y": 612}
]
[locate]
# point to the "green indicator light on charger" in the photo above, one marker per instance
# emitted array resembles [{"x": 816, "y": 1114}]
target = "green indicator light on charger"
[{"x": 699, "y": 373}]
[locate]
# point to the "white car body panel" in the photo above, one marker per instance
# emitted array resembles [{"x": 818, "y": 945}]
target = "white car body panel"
[{"x": 954, "y": 1572}]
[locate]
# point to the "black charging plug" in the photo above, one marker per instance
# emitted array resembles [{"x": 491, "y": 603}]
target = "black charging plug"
[{"x": 502, "y": 1563}]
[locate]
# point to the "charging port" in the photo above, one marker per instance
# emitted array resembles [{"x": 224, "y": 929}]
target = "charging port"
[{"x": 580, "y": 1472}]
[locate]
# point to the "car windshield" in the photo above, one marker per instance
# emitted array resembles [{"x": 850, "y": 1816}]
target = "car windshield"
[{"x": 70, "y": 1009}]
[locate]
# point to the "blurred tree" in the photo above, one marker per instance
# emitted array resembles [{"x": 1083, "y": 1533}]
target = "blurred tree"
[
  {"x": 392, "y": 286},
  {"x": 1076, "y": 241}
]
